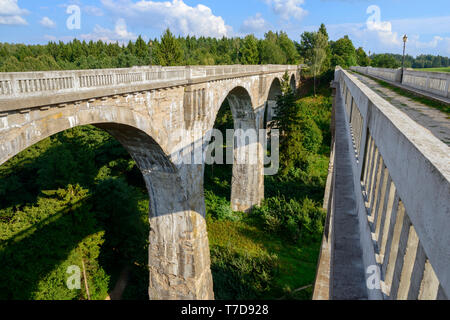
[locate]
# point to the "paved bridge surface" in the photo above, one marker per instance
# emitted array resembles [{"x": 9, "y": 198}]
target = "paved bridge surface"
[
  {"x": 387, "y": 197},
  {"x": 430, "y": 118},
  {"x": 162, "y": 116}
]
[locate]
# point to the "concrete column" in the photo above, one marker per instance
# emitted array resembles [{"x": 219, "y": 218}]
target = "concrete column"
[
  {"x": 271, "y": 107},
  {"x": 179, "y": 261},
  {"x": 247, "y": 184}
]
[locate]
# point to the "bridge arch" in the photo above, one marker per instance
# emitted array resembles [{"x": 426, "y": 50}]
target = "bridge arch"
[
  {"x": 176, "y": 208},
  {"x": 271, "y": 103},
  {"x": 293, "y": 83},
  {"x": 143, "y": 112},
  {"x": 247, "y": 184}
]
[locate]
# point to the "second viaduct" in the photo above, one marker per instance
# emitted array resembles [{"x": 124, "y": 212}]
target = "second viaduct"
[{"x": 143, "y": 108}]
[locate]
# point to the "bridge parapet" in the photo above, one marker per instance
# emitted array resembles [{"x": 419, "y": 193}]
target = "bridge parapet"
[
  {"x": 28, "y": 84},
  {"x": 401, "y": 182},
  {"x": 437, "y": 83}
]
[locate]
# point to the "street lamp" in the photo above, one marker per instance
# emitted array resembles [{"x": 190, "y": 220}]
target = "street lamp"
[
  {"x": 151, "y": 52},
  {"x": 405, "y": 39}
]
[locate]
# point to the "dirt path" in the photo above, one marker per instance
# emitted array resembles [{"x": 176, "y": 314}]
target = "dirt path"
[
  {"x": 432, "y": 119},
  {"x": 121, "y": 284}
]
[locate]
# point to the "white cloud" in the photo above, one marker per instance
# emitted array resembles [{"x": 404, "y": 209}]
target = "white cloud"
[
  {"x": 11, "y": 14},
  {"x": 288, "y": 9},
  {"x": 255, "y": 24},
  {"x": 388, "y": 38},
  {"x": 47, "y": 22},
  {"x": 383, "y": 29},
  {"x": 93, "y": 11},
  {"x": 178, "y": 16},
  {"x": 119, "y": 34}
]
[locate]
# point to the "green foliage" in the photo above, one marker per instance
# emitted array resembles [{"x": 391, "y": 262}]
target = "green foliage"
[
  {"x": 423, "y": 61},
  {"x": 168, "y": 51},
  {"x": 242, "y": 275},
  {"x": 292, "y": 219},
  {"x": 343, "y": 53},
  {"x": 249, "y": 50},
  {"x": 79, "y": 206},
  {"x": 385, "y": 61},
  {"x": 361, "y": 58},
  {"x": 219, "y": 208}
]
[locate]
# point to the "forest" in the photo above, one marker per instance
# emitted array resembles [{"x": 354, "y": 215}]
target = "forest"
[{"x": 77, "y": 198}]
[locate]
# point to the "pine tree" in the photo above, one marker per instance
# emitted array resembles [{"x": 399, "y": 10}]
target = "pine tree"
[
  {"x": 168, "y": 51},
  {"x": 249, "y": 51}
]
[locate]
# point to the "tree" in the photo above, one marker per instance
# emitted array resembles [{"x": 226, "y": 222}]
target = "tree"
[
  {"x": 270, "y": 52},
  {"x": 249, "y": 50},
  {"x": 168, "y": 51},
  {"x": 343, "y": 53},
  {"x": 288, "y": 48},
  {"x": 141, "y": 49},
  {"x": 315, "y": 51},
  {"x": 385, "y": 61},
  {"x": 361, "y": 57}
]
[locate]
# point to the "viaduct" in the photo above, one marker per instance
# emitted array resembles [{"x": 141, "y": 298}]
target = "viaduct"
[
  {"x": 143, "y": 108},
  {"x": 388, "y": 189}
]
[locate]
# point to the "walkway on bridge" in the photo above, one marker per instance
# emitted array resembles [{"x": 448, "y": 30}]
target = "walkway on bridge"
[{"x": 432, "y": 119}]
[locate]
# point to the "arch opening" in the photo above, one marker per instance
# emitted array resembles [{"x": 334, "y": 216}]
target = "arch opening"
[
  {"x": 293, "y": 84},
  {"x": 271, "y": 103},
  {"x": 240, "y": 173},
  {"x": 79, "y": 202},
  {"x": 174, "y": 200}
]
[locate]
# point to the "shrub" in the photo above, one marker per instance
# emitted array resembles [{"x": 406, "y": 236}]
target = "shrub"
[
  {"x": 219, "y": 208},
  {"x": 292, "y": 219},
  {"x": 242, "y": 276}
]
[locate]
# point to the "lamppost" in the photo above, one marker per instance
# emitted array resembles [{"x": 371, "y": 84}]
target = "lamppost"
[{"x": 405, "y": 38}]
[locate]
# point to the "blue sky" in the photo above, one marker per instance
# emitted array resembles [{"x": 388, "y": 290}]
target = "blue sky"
[{"x": 377, "y": 26}]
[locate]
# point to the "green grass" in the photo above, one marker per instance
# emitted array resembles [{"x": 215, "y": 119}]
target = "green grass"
[
  {"x": 443, "y": 69},
  {"x": 296, "y": 264}
]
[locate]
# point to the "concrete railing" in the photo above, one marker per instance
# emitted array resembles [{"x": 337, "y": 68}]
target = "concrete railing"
[
  {"x": 401, "y": 176},
  {"x": 29, "y": 84},
  {"x": 437, "y": 83}
]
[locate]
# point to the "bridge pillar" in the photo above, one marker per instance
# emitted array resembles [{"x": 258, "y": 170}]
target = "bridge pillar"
[
  {"x": 179, "y": 261},
  {"x": 247, "y": 183},
  {"x": 271, "y": 107}
]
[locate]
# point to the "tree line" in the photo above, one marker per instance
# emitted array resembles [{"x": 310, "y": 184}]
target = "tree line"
[
  {"x": 389, "y": 60},
  {"x": 275, "y": 48}
]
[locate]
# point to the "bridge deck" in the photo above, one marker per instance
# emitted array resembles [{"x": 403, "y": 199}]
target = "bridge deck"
[{"x": 432, "y": 119}]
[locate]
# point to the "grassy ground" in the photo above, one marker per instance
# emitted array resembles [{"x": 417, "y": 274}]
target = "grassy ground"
[
  {"x": 296, "y": 264},
  {"x": 443, "y": 69}
]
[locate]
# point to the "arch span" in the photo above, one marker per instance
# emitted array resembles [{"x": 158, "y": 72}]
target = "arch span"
[
  {"x": 293, "y": 83},
  {"x": 176, "y": 210},
  {"x": 247, "y": 184},
  {"x": 274, "y": 92}
]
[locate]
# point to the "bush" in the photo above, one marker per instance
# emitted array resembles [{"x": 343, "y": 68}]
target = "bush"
[
  {"x": 242, "y": 276},
  {"x": 292, "y": 219},
  {"x": 219, "y": 208}
]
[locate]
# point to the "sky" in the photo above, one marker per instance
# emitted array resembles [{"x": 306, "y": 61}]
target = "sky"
[{"x": 377, "y": 26}]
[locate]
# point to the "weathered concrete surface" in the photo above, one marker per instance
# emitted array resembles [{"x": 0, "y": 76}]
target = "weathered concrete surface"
[
  {"x": 161, "y": 116},
  {"x": 347, "y": 267}
]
